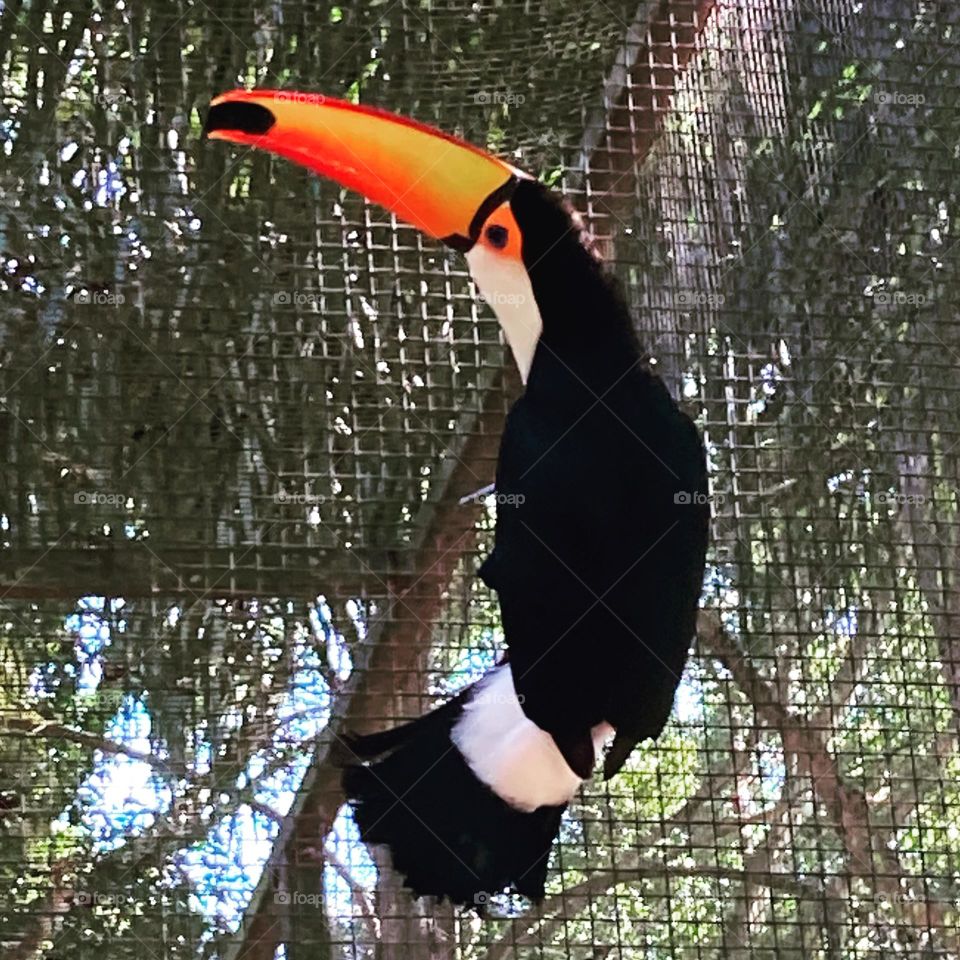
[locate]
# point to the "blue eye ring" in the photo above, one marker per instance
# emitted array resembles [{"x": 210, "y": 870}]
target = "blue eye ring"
[{"x": 497, "y": 235}]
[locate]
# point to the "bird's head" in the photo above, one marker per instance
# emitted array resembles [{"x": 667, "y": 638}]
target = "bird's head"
[{"x": 510, "y": 228}]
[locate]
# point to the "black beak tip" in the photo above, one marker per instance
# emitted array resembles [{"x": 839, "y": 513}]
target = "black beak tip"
[{"x": 239, "y": 117}]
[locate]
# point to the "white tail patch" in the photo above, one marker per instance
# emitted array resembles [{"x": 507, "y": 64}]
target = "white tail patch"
[{"x": 510, "y": 753}]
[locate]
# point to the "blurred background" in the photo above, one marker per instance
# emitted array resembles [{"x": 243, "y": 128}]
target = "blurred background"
[{"x": 239, "y": 409}]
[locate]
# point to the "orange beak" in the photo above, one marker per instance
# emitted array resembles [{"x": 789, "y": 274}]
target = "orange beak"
[{"x": 439, "y": 184}]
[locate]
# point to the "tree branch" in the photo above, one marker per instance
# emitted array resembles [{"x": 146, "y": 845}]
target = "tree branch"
[
  {"x": 554, "y": 911},
  {"x": 357, "y": 893},
  {"x": 47, "y": 729},
  {"x": 636, "y": 101},
  {"x": 387, "y": 668},
  {"x": 847, "y": 806}
]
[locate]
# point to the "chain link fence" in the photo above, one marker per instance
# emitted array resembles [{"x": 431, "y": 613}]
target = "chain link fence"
[{"x": 242, "y": 412}]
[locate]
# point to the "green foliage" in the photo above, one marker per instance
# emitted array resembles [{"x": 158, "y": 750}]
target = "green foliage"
[{"x": 268, "y": 413}]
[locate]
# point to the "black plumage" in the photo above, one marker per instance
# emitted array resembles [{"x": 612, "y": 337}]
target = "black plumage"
[
  {"x": 598, "y": 564},
  {"x": 602, "y": 512},
  {"x": 602, "y": 515},
  {"x": 449, "y": 836}
]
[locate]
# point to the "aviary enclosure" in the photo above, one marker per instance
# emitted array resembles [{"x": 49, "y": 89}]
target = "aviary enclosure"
[{"x": 242, "y": 413}]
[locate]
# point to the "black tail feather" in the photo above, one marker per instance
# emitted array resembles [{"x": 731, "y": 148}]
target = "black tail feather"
[
  {"x": 372, "y": 745},
  {"x": 449, "y": 835}
]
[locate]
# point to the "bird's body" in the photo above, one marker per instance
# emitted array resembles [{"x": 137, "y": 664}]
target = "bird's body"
[
  {"x": 597, "y": 562},
  {"x": 602, "y": 518},
  {"x": 597, "y": 568},
  {"x": 601, "y": 530},
  {"x": 449, "y": 833}
]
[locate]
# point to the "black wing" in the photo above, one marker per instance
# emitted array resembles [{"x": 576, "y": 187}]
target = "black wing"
[{"x": 602, "y": 525}]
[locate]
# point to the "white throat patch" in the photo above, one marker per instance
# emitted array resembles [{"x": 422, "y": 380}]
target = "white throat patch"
[{"x": 505, "y": 284}]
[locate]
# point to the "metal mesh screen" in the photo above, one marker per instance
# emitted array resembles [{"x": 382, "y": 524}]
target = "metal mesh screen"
[{"x": 239, "y": 409}]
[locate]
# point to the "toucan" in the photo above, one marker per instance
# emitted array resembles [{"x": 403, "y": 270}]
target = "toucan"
[{"x": 602, "y": 512}]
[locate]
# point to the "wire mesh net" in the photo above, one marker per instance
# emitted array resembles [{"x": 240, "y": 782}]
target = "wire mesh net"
[{"x": 239, "y": 410}]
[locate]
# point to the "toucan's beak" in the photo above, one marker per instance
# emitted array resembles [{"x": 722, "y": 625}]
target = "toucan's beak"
[{"x": 439, "y": 184}]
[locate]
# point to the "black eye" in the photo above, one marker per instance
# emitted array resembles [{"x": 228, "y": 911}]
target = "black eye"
[{"x": 498, "y": 236}]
